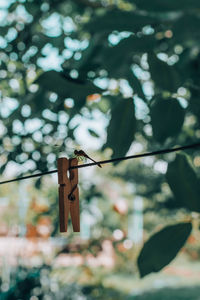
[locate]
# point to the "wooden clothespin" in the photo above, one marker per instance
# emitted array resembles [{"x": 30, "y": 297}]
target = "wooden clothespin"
[{"x": 68, "y": 193}]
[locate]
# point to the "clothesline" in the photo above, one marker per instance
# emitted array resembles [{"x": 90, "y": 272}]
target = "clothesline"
[{"x": 163, "y": 151}]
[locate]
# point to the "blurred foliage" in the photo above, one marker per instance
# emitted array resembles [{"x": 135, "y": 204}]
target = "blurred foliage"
[
  {"x": 36, "y": 283},
  {"x": 182, "y": 293},
  {"x": 135, "y": 62}
]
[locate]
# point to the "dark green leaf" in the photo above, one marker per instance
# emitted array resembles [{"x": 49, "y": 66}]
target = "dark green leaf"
[
  {"x": 13, "y": 6},
  {"x": 194, "y": 106},
  {"x": 183, "y": 28},
  {"x": 40, "y": 40},
  {"x": 184, "y": 183},
  {"x": 121, "y": 21},
  {"x": 116, "y": 62},
  {"x": 167, "y": 117},
  {"x": 91, "y": 56},
  {"x": 164, "y": 76},
  {"x": 136, "y": 85},
  {"x": 38, "y": 183},
  {"x": 38, "y": 100},
  {"x": 122, "y": 127},
  {"x": 167, "y": 5},
  {"x": 31, "y": 7},
  {"x": 67, "y": 87},
  {"x": 93, "y": 133},
  {"x": 4, "y": 30},
  {"x": 162, "y": 247},
  {"x": 136, "y": 44}
]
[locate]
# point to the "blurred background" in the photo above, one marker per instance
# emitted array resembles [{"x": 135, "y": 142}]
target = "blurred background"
[{"x": 113, "y": 78}]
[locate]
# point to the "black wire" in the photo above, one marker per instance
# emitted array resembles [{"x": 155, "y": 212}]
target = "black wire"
[
  {"x": 29, "y": 176},
  {"x": 137, "y": 156},
  {"x": 108, "y": 161}
]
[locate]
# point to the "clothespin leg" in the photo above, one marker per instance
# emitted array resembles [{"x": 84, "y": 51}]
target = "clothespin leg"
[
  {"x": 64, "y": 208},
  {"x": 64, "y": 190},
  {"x": 74, "y": 205}
]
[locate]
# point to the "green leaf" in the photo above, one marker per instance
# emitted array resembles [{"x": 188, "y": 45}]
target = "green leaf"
[
  {"x": 122, "y": 127},
  {"x": 183, "y": 28},
  {"x": 13, "y": 6},
  {"x": 93, "y": 133},
  {"x": 38, "y": 183},
  {"x": 184, "y": 183},
  {"x": 137, "y": 44},
  {"x": 162, "y": 247},
  {"x": 40, "y": 40},
  {"x": 116, "y": 62},
  {"x": 194, "y": 106},
  {"x": 164, "y": 76},
  {"x": 136, "y": 85},
  {"x": 121, "y": 21},
  {"x": 167, "y": 117},
  {"x": 91, "y": 57},
  {"x": 131, "y": 45},
  {"x": 167, "y": 5},
  {"x": 4, "y": 30},
  {"x": 31, "y": 7},
  {"x": 66, "y": 87},
  {"x": 38, "y": 101}
]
